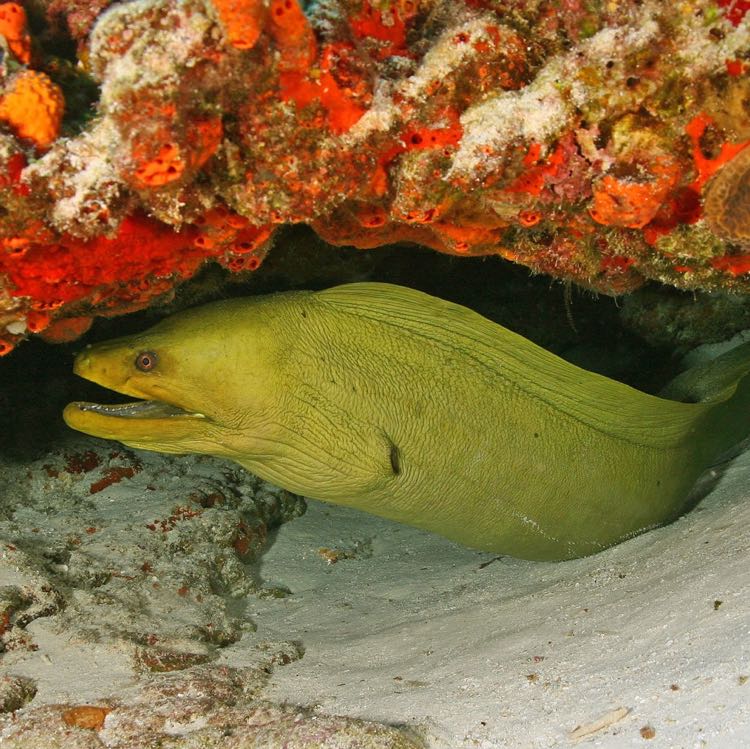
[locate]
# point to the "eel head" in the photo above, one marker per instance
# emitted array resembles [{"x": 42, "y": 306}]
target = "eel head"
[{"x": 197, "y": 386}]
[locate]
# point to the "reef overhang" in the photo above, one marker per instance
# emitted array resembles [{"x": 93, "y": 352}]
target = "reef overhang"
[{"x": 600, "y": 143}]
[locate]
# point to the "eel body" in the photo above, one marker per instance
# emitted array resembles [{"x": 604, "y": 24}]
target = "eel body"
[{"x": 419, "y": 410}]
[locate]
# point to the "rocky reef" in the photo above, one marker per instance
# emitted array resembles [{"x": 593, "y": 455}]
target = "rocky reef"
[
  {"x": 217, "y": 707},
  {"x": 124, "y": 540},
  {"x": 600, "y": 143}
]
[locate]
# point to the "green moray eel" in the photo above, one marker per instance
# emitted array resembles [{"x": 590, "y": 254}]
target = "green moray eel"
[{"x": 386, "y": 399}]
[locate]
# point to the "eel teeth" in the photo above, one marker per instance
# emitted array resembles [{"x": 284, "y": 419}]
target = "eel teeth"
[{"x": 139, "y": 409}]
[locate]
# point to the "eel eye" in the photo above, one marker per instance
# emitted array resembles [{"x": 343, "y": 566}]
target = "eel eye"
[{"x": 146, "y": 361}]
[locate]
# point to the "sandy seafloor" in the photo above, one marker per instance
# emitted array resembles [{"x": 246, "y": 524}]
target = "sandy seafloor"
[
  {"x": 652, "y": 636},
  {"x": 518, "y": 654}
]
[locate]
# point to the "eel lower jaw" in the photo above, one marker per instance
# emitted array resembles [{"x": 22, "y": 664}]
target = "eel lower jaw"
[
  {"x": 146, "y": 424},
  {"x": 145, "y": 409}
]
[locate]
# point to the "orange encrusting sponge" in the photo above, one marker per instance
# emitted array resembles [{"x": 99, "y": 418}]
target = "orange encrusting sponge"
[
  {"x": 166, "y": 166},
  {"x": 33, "y": 107},
  {"x": 630, "y": 203},
  {"x": 242, "y": 20},
  {"x": 172, "y": 159},
  {"x": 13, "y": 28},
  {"x": 293, "y": 36}
]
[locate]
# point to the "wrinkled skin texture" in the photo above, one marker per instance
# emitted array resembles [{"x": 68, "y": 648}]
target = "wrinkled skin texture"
[{"x": 419, "y": 410}]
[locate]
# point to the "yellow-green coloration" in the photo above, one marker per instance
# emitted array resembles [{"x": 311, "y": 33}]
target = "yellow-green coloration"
[{"x": 419, "y": 410}]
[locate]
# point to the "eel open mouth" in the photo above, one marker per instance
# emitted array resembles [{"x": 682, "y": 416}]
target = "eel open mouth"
[
  {"x": 145, "y": 409},
  {"x": 144, "y": 423}
]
